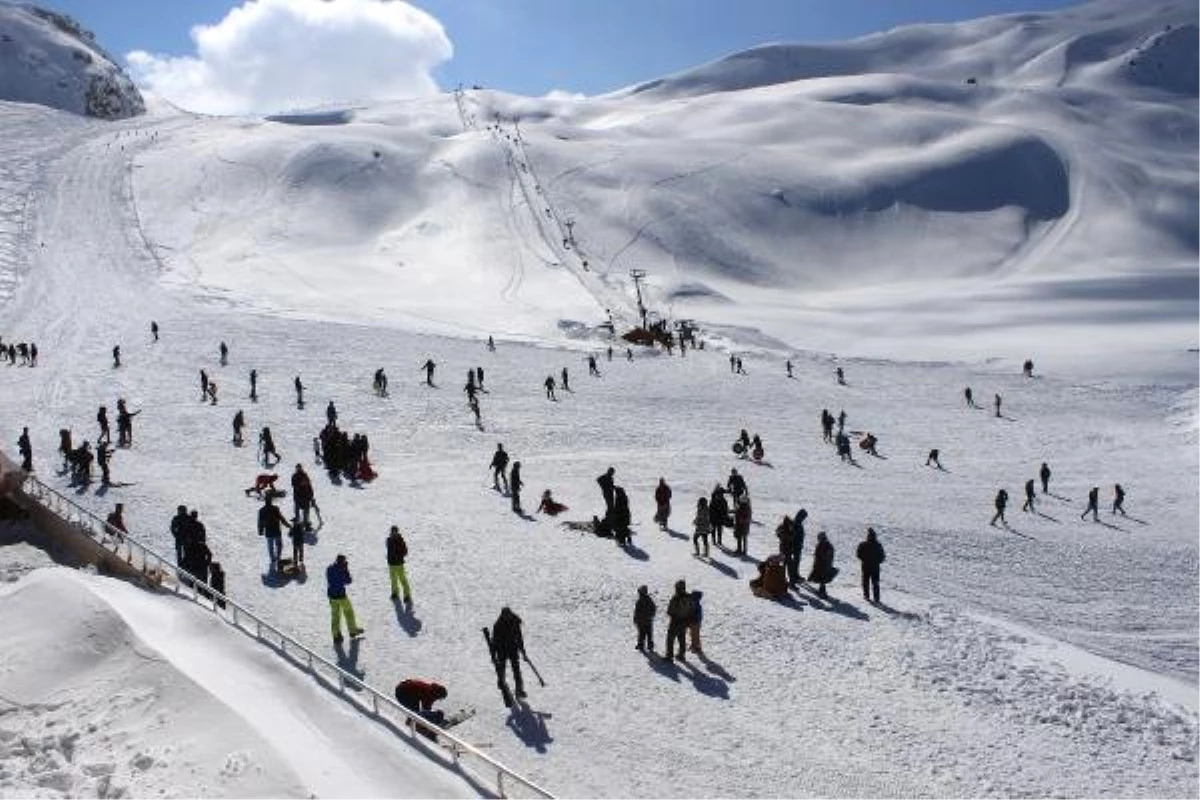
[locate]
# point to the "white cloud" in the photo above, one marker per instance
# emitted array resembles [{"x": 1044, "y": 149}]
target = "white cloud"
[{"x": 279, "y": 55}]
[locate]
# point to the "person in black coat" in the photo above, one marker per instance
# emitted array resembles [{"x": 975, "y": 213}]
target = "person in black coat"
[
  {"x": 514, "y": 486},
  {"x": 718, "y": 513},
  {"x": 823, "y": 570},
  {"x": 26, "y": 450},
  {"x": 216, "y": 579},
  {"x": 499, "y": 464},
  {"x": 606, "y": 488},
  {"x": 643, "y": 617},
  {"x": 870, "y": 553},
  {"x": 508, "y": 645},
  {"x": 621, "y": 516}
]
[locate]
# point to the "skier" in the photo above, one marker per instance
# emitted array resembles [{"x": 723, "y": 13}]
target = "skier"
[
  {"x": 428, "y": 366},
  {"x": 254, "y": 386},
  {"x": 102, "y": 420},
  {"x": 549, "y": 384},
  {"x": 266, "y": 445},
  {"x": 592, "y": 366},
  {"x": 397, "y": 551},
  {"x": 508, "y": 644},
  {"x": 702, "y": 526},
  {"x": 606, "y": 489},
  {"x": 823, "y": 571},
  {"x": 116, "y": 354},
  {"x": 514, "y": 487},
  {"x": 628, "y": 354},
  {"x": 732, "y": 363},
  {"x": 933, "y": 459},
  {"x": 270, "y": 525},
  {"x": 662, "y": 503},
  {"x": 1119, "y": 500},
  {"x": 841, "y": 420},
  {"x": 499, "y": 464},
  {"x": 224, "y": 350},
  {"x": 610, "y": 352},
  {"x": 239, "y": 423},
  {"x": 679, "y": 614},
  {"x": 870, "y": 553},
  {"x": 643, "y": 617},
  {"x": 785, "y": 532},
  {"x": 299, "y": 392},
  {"x": 1030, "y": 492},
  {"x": 33, "y": 353},
  {"x": 1093, "y": 504},
  {"x": 26, "y": 450},
  {"x": 1044, "y": 474},
  {"x": 337, "y": 577},
  {"x": 1001, "y": 502}
]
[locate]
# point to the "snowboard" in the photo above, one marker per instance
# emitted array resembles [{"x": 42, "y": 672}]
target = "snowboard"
[
  {"x": 505, "y": 692},
  {"x": 454, "y": 718}
]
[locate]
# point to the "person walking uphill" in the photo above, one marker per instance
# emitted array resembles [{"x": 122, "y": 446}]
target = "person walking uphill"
[
  {"x": 1093, "y": 504},
  {"x": 662, "y": 503},
  {"x": 271, "y": 524},
  {"x": 870, "y": 553},
  {"x": 643, "y": 617},
  {"x": 397, "y": 551},
  {"x": 337, "y": 578},
  {"x": 1001, "y": 504}
]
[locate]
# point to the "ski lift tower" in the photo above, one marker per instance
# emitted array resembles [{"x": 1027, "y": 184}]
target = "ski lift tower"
[{"x": 638, "y": 276}]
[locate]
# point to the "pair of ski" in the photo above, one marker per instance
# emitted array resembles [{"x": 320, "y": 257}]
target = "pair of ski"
[{"x": 498, "y": 663}]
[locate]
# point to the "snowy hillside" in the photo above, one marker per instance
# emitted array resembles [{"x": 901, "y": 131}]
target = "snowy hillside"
[
  {"x": 48, "y": 59},
  {"x": 857, "y": 206}
]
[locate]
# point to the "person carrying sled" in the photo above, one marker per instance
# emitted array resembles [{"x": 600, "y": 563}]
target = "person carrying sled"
[
  {"x": 643, "y": 619},
  {"x": 508, "y": 645},
  {"x": 823, "y": 571},
  {"x": 870, "y": 553},
  {"x": 662, "y": 503}
]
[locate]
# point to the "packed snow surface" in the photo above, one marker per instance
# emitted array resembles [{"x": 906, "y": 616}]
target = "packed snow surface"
[{"x": 858, "y": 206}]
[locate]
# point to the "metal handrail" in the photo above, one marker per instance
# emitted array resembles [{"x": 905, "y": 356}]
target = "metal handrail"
[{"x": 101, "y": 532}]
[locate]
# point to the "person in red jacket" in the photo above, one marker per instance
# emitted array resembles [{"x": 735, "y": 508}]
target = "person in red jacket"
[{"x": 419, "y": 696}]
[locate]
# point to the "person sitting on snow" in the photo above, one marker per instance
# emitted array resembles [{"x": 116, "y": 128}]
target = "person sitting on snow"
[{"x": 550, "y": 506}]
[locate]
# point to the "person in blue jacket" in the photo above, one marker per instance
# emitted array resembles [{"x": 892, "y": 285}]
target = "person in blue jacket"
[{"x": 337, "y": 577}]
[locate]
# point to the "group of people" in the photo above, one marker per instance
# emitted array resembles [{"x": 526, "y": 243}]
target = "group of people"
[
  {"x": 1092, "y": 505},
  {"x": 343, "y": 454},
  {"x": 192, "y": 553},
  {"x": 26, "y": 351},
  {"x": 685, "y": 614}
]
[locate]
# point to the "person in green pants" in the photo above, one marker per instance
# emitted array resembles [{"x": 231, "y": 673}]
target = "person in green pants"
[
  {"x": 337, "y": 576},
  {"x": 397, "y": 551}
]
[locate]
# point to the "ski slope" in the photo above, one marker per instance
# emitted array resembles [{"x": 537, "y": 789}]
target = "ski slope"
[{"x": 1055, "y": 657}]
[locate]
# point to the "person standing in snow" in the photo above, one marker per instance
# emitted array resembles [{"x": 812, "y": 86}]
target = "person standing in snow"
[
  {"x": 694, "y": 623},
  {"x": 549, "y": 384},
  {"x": 428, "y": 366},
  {"x": 499, "y": 465},
  {"x": 116, "y": 354},
  {"x": 154, "y": 329},
  {"x": 565, "y": 382},
  {"x": 1093, "y": 504},
  {"x": 397, "y": 552},
  {"x": 870, "y": 553},
  {"x": 606, "y": 489},
  {"x": 997, "y": 402},
  {"x": 253, "y": 386},
  {"x": 239, "y": 423},
  {"x": 841, "y": 377},
  {"x": 508, "y": 644},
  {"x": 792, "y": 560},
  {"x": 827, "y": 425},
  {"x": 1027, "y": 369},
  {"x": 592, "y": 370},
  {"x": 1118, "y": 506},
  {"x": 514, "y": 487},
  {"x": 266, "y": 444},
  {"x": 270, "y": 525},
  {"x": 179, "y": 532},
  {"x": 933, "y": 459},
  {"x": 1044, "y": 474},
  {"x": 823, "y": 571},
  {"x": 26, "y": 450},
  {"x": 303, "y": 498},
  {"x": 299, "y": 391},
  {"x": 702, "y": 526},
  {"x": 224, "y": 351},
  {"x": 662, "y": 503},
  {"x": 643, "y": 618},
  {"x": 718, "y": 513},
  {"x": 337, "y": 578},
  {"x": 789, "y": 368},
  {"x": 679, "y": 614},
  {"x": 102, "y": 421},
  {"x": 620, "y": 517},
  {"x": 104, "y": 453},
  {"x": 969, "y": 397},
  {"x": 1001, "y": 503},
  {"x": 125, "y": 424},
  {"x": 115, "y": 523}
]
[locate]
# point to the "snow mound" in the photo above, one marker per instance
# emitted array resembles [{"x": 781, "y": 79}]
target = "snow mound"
[
  {"x": 1168, "y": 61},
  {"x": 47, "y": 58}
]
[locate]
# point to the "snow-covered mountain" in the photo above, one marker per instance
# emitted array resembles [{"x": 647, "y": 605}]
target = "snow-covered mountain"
[
  {"x": 47, "y": 58},
  {"x": 858, "y": 205}
]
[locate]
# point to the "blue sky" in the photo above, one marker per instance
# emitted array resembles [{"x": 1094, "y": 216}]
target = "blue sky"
[{"x": 590, "y": 46}]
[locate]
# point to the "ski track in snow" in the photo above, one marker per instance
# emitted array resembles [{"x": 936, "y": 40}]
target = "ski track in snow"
[{"x": 928, "y": 697}]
